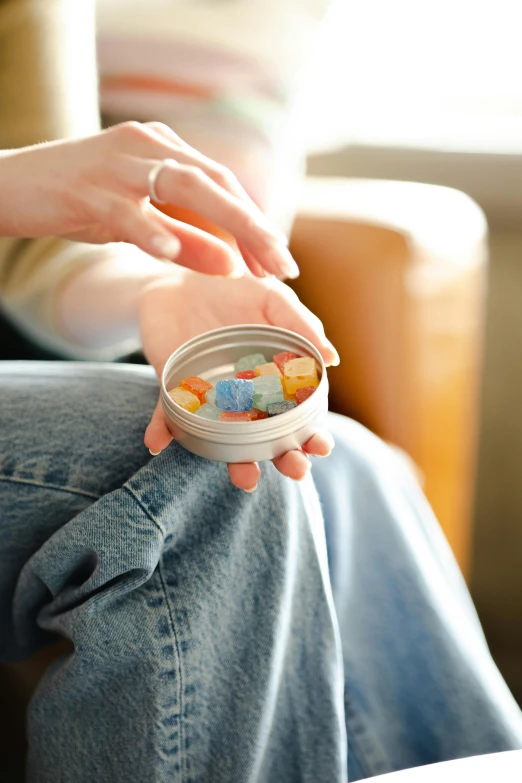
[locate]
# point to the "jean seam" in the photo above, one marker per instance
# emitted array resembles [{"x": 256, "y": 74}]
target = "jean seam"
[
  {"x": 181, "y": 678},
  {"x": 45, "y": 485},
  {"x": 172, "y": 628}
]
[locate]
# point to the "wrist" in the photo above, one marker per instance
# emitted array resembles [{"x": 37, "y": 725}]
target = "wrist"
[{"x": 98, "y": 307}]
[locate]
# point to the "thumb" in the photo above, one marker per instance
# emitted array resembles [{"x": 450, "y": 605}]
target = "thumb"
[{"x": 157, "y": 436}]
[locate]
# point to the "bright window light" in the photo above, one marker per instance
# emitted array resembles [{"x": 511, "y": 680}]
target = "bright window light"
[{"x": 444, "y": 75}]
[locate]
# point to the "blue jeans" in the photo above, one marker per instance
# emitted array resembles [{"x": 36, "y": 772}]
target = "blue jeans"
[{"x": 219, "y": 636}]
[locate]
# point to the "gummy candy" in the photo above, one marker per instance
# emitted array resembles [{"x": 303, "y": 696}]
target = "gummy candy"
[
  {"x": 197, "y": 386},
  {"x": 234, "y": 395},
  {"x": 185, "y": 399},
  {"x": 208, "y": 412},
  {"x": 256, "y": 414},
  {"x": 304, "y": 393},
  {"x": 210, "y": 396},
  {"x": 281, "y": 359},
  {"x": 268, "y": 369},
  {"x": 246, "y": 375},
  {"x": 267, "y": 389},
  {"x": 300, "y": 373},
  {"x": 235, "y": 416},
  {"x": 275, "y": 408},
  {"x": 249, "y": 362}
]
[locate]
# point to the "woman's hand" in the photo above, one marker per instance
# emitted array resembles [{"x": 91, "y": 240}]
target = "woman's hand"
[
  {"x": 179, "y": 307},
  {"x": 96, "y": 189}
]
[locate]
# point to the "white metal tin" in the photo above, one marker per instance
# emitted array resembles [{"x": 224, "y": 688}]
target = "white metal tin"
[{"x": 212, "y": 356}]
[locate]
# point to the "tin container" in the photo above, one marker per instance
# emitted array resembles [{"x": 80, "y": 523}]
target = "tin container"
[{"x": 212, "y": 356}]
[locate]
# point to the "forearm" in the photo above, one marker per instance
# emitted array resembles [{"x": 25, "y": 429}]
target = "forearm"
[{"x": 97, "y": 307}]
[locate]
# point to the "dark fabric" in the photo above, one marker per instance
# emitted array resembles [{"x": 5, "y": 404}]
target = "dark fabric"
[{"x": 15, "y": 346}]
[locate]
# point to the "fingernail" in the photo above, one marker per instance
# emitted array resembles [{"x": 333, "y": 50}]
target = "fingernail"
[
  {"x": 155, "y": 453},
  {"x": 167, "y": 247},
  {"x": 286, "y": 263},
  {"x": 252, "y": 489},
  {"x": 336, "y": 361}
]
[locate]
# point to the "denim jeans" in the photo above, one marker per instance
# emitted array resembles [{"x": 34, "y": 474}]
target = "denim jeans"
[{"x": 218, "y": 635}]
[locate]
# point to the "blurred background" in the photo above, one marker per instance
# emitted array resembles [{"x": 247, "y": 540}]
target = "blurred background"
[{"x": 418, "y": 285}]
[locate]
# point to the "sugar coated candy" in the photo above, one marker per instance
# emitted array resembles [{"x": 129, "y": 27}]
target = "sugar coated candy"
[
  {"x": 270, "y": 368},
  {"x": 209, "y": 412},
  {"x": 235, "y": 416},
  {"x": 280, "y": 359},
  {"x": 249, "y": 362},
  {"x": 210, "y": 396},
  {"x": 267, "y": 389},
  {"x": 303, "y": 394},
  {"x": 256, "y": 414},
  {"x": 234, "y": 395},
  {"x": 276, "y": 408},
  {"x": 246, "y": 375},
  {"x": 300, "y": 373},
  {"x": 197, "y": 386},
  {"x": 184, "y": 399}
]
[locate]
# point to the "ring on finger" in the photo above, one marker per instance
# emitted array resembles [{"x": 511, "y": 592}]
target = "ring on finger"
[{"x": 153, "y": 178}]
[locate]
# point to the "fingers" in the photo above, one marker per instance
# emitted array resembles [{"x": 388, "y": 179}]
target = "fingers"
[
  {"x": 254, "y": 266},
  {"x": 190, "y": 187},
  {"x": 193, "y": 181},
  {"x": 294, "y": 464},
  {"x": 284, "y": 309},
  {"x": 245, "y": 475},
  {"x": 157, "y": 436},
  {"x": 201, "y": 251},
  {"x": 186, "y": 154},
  {"x": 320, "y": 444}
]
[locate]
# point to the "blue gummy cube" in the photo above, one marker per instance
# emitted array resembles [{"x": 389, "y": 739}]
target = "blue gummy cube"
[
  {"x": 249, "y": 362},
  {"x": 235, "y": 395},
  {"x": 209, "y": 412},
  {"x": 276, "y": 408},
  {"x": 267, "y": 389}
]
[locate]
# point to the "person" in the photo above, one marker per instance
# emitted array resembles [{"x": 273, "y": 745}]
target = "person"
[{"x": 216, "y": 635}]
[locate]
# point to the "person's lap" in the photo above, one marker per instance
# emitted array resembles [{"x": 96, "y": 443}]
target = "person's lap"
[
  {"x": 202, "y": 616},
  {"x": 205, "y": 643}
]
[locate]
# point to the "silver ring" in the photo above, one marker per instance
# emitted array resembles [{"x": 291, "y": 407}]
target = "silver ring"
[{"x": 153, "y": 177}]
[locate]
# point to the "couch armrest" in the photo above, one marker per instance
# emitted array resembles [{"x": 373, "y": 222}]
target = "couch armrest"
[{"x": 397, "y": 271}]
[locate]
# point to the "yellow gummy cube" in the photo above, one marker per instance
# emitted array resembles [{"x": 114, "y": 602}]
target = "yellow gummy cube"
[
  {"x": 270, "y": 368},
  {"x": 300, "y": 373},
  {"x": 185, "y": 399}
]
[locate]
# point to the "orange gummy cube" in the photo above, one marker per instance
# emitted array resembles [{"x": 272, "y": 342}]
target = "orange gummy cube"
[
  {"x": 280, "y": 359},
  {"x": 246, "y": 375},
  {"x": 303, "y": 394},
  {"x": 300, "y": 373},
  {"x": 256, "y": 414},
  {"x": 270, "y": 368},
  {"x": 185, "y": 399},
  {"x": 197, "y": 386},
  {"x": 235, "y": 416}
]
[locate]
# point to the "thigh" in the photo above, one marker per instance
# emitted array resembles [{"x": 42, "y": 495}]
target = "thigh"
[{"x": 69, "y": 434}]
